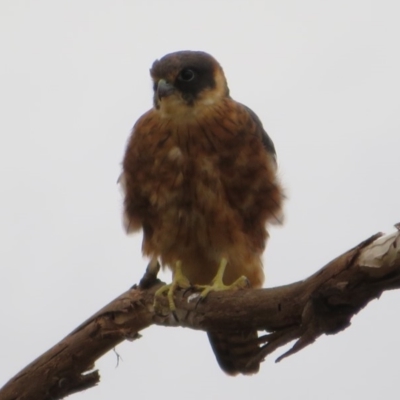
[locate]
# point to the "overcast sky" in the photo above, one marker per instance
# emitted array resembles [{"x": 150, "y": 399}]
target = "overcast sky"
[{"x": 74, "y": 77}]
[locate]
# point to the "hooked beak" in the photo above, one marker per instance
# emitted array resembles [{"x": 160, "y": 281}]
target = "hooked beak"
[{"x": 164, "y": 89}]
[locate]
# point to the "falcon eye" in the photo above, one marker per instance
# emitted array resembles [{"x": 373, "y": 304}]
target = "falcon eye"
[{"x": 186, "y": 75}]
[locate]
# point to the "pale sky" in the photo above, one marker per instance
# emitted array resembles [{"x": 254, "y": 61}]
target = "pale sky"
[{"x": 324, "y": 79}]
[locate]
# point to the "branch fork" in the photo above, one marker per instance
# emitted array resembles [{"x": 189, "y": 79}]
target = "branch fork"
[{"x": 324, "y": 303}]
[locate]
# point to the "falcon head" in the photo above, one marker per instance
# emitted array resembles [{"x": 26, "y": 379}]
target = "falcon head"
[{"x": 186, "y": 82}]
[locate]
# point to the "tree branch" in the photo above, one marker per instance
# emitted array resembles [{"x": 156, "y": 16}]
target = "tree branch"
[{"x": 324, "y": 303}]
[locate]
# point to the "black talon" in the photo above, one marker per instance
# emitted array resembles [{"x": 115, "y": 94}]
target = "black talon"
[
  {"x": 199, "y": 300},
  {"x": 190, "y": 288}
]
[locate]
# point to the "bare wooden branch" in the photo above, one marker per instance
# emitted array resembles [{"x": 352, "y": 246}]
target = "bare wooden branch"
[{"x": 324, "y": 303}]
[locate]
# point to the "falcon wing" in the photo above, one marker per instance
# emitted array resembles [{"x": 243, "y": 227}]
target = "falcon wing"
[{"x": 266, "y": 140}]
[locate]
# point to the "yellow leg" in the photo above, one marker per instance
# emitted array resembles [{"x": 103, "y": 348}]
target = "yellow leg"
[
  {"x": 178, "y": 281},
  {"x": 217, "y": 283}
]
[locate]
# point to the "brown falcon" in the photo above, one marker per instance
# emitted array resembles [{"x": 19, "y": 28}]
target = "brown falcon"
[{"x": 200, "y": 180}]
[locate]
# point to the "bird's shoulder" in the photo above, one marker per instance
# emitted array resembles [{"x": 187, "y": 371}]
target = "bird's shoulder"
[{"x": 259, "y": 128}]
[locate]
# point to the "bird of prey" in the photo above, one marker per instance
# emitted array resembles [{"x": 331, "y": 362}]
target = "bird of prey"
[{"x": 200, "y": 179}]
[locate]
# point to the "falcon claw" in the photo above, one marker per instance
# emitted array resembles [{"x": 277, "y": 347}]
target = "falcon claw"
[
  {"x": 217, "y": 283},
  {"x": 190, "y": 288},
  {"x": 246, "y": 282},
  {"x": 178, "y": 281},
  {"x": 199, "y": 300}
]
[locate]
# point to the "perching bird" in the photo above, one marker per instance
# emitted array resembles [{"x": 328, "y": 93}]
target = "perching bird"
[{"x": 200, "y": 179}]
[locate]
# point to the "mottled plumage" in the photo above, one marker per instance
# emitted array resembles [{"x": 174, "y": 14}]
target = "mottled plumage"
[{"x": 199, "y": 176}]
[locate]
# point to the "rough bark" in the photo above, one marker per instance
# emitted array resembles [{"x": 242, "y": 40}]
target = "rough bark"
[{"x": 324, "y": 303}]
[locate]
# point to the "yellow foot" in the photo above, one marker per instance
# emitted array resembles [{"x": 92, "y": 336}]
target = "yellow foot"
[
  {"x": 217, "y": 283},
  {"x": 178, "y": 281}
]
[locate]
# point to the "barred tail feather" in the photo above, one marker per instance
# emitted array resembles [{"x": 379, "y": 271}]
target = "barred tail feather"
[{"x": 235, "y": 351}]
